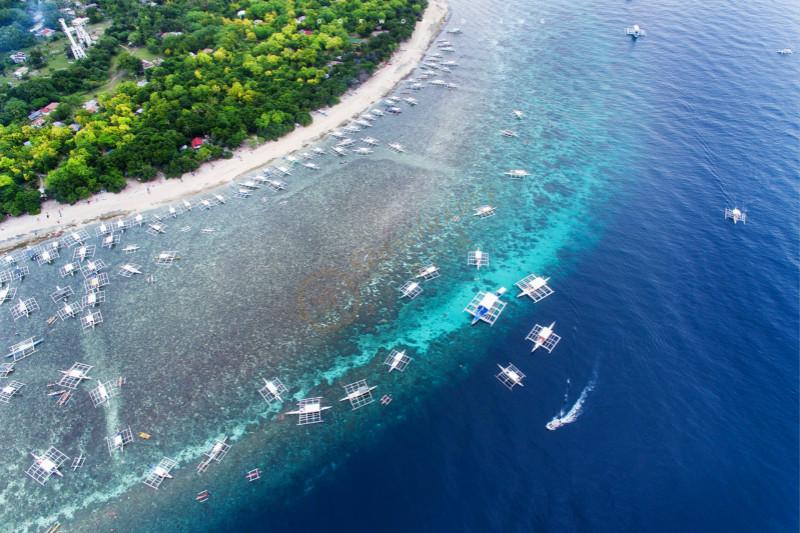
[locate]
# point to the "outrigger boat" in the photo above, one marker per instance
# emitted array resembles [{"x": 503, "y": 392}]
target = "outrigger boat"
[
  {"x": 517, "y": 173},
  {"x": 508, "y": 133},
  {"x": 488, "y": 308},
  {"x": 635, "y": 31},
  {"x": 736, "y": 214},
  {"x": 543, "y": 337}
]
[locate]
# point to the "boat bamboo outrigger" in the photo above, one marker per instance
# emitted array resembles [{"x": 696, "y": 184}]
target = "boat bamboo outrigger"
[
  {"x": 160, "y": 472},
  {"x": 358, "y": 393},
  {"x": 543, "y": 337},
  {"x": 486, "y": 306},
  {"x": 485, "y": 211},
  {"x": 410, "y": 289},
  {"x": 167, "y": 258},
  {"x": 635, "y": 31},
  {"x": 119, "y": 440},
  {"x": 69, "y": 269},
  {"x": 478, "y": 259},
  {"x": 104, "y": 391},
  {"x": 47, "y": 465},
  {"x": 24, "y": 308},
  {"x": 535, "y": 287},
  {"x": 517, "y": 173},
  {"x": 74, "y": 376},
  {"x": 91, "y": 319},
  {"x": 23, "y": 349},
  {"x": 428, "y": 272},
  {"x": 309, "y": 411},
  {"x": 8, "y": 390},
  {"x": 129, "y": 269},
  {"x": 273, "y": 390},
  {"x": 510, "y": 376},
  {"x": 736, "y": 214},
  {"x": 84, "y": 252},
  {"x": 397, "y": 360},
  {"x": 216, "y": 454}
]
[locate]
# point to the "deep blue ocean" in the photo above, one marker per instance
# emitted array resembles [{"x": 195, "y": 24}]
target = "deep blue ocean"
[
  {"x": 678, "y": 364},
  {"x": 688, "y": 324}
]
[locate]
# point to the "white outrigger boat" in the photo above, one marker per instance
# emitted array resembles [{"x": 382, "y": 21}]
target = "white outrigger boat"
[
  {"x": 370, "y": 141},
  {"x": 47, "y": 465},
  {"x": 484, "y": 211},
  {"x": 517, "y": 173},
  {"x": 397, "y": 360},
  {"x": 785, "y": 51},
  {"x": 518, "y": 114},
  {"x": 410, "y": 101},
  {"x": 312, "y": 166},
  {"x": 397, "y": 147},
  {"x": 486, "y": 306},
  {"x": 736, "y": 214},
  {"x": 309, "y": 411},
  {"x": 535, "y": 287},
  {"x": 509, "y": 133},
  {"x": 543, "y": 337},
  {"x": 338, "y": 150},
  {"x": 130, "y": 269},
  {"x": 635, "y": 31},
  {"x": 510, "y": 376},
  {"x": 361, "y": 150}
]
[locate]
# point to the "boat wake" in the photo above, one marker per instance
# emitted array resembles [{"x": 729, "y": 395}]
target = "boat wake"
[{"x": 568, "y": 417}]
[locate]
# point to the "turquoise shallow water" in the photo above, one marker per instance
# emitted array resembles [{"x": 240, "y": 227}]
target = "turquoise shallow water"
[{"x": 303, "y": 285}]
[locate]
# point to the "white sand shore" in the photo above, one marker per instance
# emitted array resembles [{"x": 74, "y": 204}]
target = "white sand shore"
[{"x": 56, "y": 218}]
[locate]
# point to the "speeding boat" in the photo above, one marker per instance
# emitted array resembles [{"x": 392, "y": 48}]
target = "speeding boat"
[
  {"x": 554, "y": 424},
  {"x": 785, "y": 51}
]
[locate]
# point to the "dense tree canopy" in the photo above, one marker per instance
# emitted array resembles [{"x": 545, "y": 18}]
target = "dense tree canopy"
[{"x": 231, "y": 69}]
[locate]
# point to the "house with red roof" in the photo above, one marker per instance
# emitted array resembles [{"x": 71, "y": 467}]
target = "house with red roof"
[
  {"x": 197, "y": 142},
  {"x": 49, "y": 108}
]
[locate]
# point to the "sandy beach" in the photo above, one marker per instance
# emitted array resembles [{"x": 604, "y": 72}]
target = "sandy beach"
[{"x": 56, "y": 218}]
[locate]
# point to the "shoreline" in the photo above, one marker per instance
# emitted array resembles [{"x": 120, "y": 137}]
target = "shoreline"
[{"x": 56, "y": 218}]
